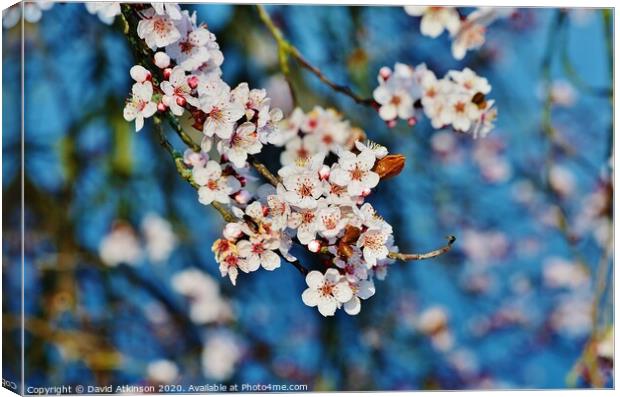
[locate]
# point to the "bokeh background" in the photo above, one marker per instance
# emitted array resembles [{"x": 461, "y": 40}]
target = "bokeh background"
[{"x": 120, "y": 283}]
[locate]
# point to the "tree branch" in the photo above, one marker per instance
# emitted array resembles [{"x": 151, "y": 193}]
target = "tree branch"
[
  {"x": 286, "y": 49},
  {"x": 264, "y": 171},
  {"x": 432, "y": 254}
]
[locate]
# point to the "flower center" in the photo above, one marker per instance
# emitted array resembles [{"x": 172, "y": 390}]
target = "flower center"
[
  {"x": 222, "y": 246},
  {"x": 357, "y": 173},
  {"x": 231, "y": 260},
  {"x": 212, "y": 184},
  {"x": 327, "y": 289},
  {"x": 373, "y": 241},
  {"x": 258, "y": 248},
  {"x": 305, "y": 189},
  {"x": 186, "y": 46},
  {"x": 216, "y": 114},
  {"x": 395, "y": 100},
  {"x": 302, "y": 153},
  {"x": 160, "y": 26},
  {"x": 459, "y": 107},
  {"x": 330, "y": 222},
  {"x": 307, "y": 217}
]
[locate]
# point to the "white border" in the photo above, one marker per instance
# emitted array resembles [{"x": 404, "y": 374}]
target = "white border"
[{"x": 522, "y": 3}]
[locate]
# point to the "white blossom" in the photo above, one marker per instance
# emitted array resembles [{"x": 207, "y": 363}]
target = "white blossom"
[
  {"x": 121, "y": 245},
  {"x": 140, "y": 105},
  {"x": 326, "y": 291},
  {"x": 355, "y": 172},
  {"x": 105, "y": 10},
  {"x": 435, "y": 19},
  {"x": 220, "y": 355},
  {"x": 213, "y": 185},
  {"x": 157, "y": 30},
  {"x": 242, "y": 142}
]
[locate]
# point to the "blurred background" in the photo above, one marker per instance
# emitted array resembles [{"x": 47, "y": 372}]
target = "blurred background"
[{"x": 120, "y": 283}]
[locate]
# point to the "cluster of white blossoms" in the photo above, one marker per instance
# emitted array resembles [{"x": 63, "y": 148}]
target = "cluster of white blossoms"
[
  {"x": 305, "y": 134},
  {"x": 33, "y": 11},
  {"x": 320, "y": 206},
  {"x": 123, "y": 244},
  {"x": 459, "y": 99},
  {"x": 317, "y": 198},
  {"x": 467, "y": 32}
]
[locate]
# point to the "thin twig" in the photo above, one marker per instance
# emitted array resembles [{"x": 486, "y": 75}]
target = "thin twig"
[
  {"x": 176, "y": 126},
  {"x": 286, "y": 49},
  {"x": 417, "y": 257},
  {"x": 264, "y": 171}
]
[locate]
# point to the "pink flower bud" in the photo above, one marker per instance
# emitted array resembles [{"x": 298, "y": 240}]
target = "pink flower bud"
[
  {"x": 385, "y": 73},
  {"x": 314, "y": 246},
  {"x": 391, "y": 123},
  {"x": 195, "y": 159},
  {"x": 167, "y": 73},
  {"x": 242, "y": 197},
  {"x": 192, "y": 81},
  {"x": 366, "y": 192},
  {"x": 232, "y": 231},
  {"x": 412, "y": 121},
  {"x": 181, "y": 101},
  {"x": 139, "y": 73},
  {"x": 324, "y": 172},
  {"x": 162, "y": 107},
  {"x": 161, "y": 60}
]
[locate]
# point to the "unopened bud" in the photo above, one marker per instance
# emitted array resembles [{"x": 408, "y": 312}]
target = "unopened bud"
[
  {"x": 389, "y": 166},
  {"x": 195, "y": 159},
  {"x": 385, "y": 72},
  {"x": 192, "y": 82},
  {"x": 366, "y": 192},
  {"x": 392, "y": 123},
  {"x": 167, "y": 72},
  {"x": 242, "y": 197},
  {"x": 181, "y": 101},
  {"x": 314, "y": 246},
  {"x": 139, "y": 73},
  {"x": 232, "y": 231},
  {"x": 324, "y": 172},
  {"x": 412, "y": 121},
  {"x": 161, "y": 106},
  {"x": 161, "y": 60}
]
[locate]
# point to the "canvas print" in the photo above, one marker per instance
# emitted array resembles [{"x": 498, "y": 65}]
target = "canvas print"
[{"x": 210, "y": 197}]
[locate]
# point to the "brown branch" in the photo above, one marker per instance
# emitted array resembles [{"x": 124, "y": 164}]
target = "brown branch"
[
  {"x": 427, "y": 255},
  {"x": 286, "y": 49},
  {"x": 264, "y": 171}
]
